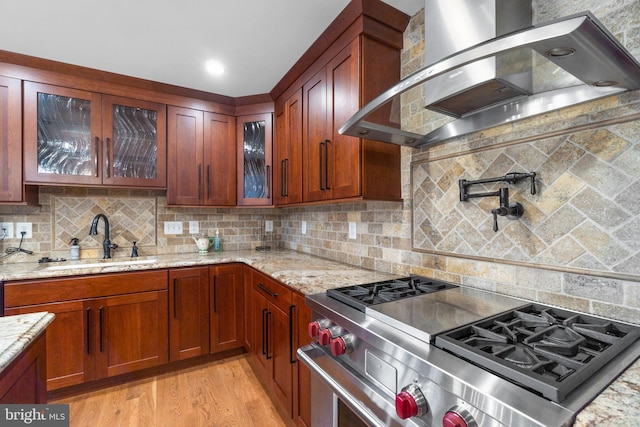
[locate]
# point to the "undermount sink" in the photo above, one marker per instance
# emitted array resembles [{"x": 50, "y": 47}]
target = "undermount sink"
[{"x": 100, "y": 264}]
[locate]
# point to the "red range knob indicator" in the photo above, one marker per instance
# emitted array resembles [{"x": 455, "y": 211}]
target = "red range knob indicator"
[
  {"x": 324, "y": 337},
  {"x": 453, "y": 419},
  {"x": 338, "y": 346},
  {"x": 410, "y": 402},
  {"x": 406, "y": 406},
  {"x": 315, "y": 327}
]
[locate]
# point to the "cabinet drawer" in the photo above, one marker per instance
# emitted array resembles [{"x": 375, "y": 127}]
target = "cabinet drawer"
[
  {"x": 275, "y": 292},
  {"x": 74, "y": 288}
]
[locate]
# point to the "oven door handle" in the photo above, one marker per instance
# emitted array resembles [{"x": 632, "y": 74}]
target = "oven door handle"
[{"x": 307, "y": 354}]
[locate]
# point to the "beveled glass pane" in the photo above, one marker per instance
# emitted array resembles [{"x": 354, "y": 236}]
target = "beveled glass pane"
[
  {"x": 255, "y": 177},
  {"x": 64, "y": 135},
  {"x": 135, "y": 146}
]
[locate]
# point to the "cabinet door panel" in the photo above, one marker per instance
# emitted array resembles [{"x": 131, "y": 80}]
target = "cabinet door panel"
[
  {"x": 288, "y": 152},
  {"x": 280, "y": 352},
  {"x": 69, "y": 346},
  {"x": 135, "y": 142},
  {"x": 219, "y": 170},
  {"x": 227, "y": 308},
  {"x": 255, "y": 143},
  {"x": 314, "y": 138},
  {"x": 133, "y": 332},
  {"x": 185, "y": 140},
  {"x": 344, "y": 151},
  {"x": 62, "y": 135},
  {"x": 189, "y": 317},
  {"x": 260, "y": 320},
  {"x": 10, "y": 140},
  {"x": 301, "y": 374}
]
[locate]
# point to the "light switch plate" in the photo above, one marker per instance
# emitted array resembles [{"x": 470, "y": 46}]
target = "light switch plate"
[
  {"x": 173, "y": 227},
  {"x": 304, "y": 227},
  {"x": 352, "y": 230},
  {"x": 26, "y": 227},
  {"x": 194, "y": 227},
  {"x": 268, "y": 226}
]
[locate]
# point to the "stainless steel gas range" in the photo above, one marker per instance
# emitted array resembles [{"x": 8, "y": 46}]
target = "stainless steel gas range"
[{"x": 421, "y": 352}]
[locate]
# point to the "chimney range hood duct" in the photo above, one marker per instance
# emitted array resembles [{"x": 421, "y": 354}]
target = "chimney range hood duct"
[{"x": 485, "y": 70}]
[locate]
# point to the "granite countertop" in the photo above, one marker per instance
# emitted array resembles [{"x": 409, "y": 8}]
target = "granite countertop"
[
  {"x": 17, "y": 332},
  {"x": 618, "y": 405}
]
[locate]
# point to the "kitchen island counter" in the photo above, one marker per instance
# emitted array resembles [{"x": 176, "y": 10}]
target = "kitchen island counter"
[{"x": 17, "y": 332}]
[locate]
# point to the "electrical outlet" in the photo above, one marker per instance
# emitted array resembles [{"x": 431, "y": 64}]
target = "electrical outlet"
[
  {"x": 194, "y": 228},
  {"x": 352, "y": 230},
  {"x": 268, "y": 226},
  {"x": 304, "y": 227},
  {"x": 26, "y": 227},
  {"x": 173, "y": 227},
  {"x": 6, "y": 230}
]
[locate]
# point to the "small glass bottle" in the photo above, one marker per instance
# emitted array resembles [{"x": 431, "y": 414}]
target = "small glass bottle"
[{"x": 217, "y": 243}]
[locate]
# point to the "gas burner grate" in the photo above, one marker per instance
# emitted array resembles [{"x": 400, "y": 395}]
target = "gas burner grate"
[
  {"x": 362, "y": 296},
  {"x": 548, "y": 350}
]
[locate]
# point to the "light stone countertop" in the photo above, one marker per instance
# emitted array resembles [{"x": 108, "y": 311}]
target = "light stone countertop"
[
  {"x": 618, "y": 405},
  {"x": 17, "y": 332}
]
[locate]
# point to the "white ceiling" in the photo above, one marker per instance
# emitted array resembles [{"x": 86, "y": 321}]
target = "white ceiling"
[{"x": 169, "y": 41}]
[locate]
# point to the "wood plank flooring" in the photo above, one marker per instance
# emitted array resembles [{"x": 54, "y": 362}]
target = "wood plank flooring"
[{"x": 220, "y": 393}]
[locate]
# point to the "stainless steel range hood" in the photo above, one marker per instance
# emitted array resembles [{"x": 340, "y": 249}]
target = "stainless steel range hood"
[{"x": 548, "y": 66}]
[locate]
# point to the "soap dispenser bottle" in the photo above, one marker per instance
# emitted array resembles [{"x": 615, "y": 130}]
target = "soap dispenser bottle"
[
  {"x": 217, "y": 244},
  {"x": 74, "y": 250}
]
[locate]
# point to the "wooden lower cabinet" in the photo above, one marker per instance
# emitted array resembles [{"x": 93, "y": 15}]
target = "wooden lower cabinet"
[
  {"x": 301, "y": 374},
  {"x": 95, "y": 336},
  {"x": 226, "y": 307},
  {"x": 273, "y": 351},
  {"x": 188, "y": 313},
  {"x": 24, "y": 380}
]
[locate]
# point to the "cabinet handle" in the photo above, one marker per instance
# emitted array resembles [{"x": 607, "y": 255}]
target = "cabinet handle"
[
  {"x": 215, "y": 305},
  {"x": 89, "y": 330},
  {"x": 326, "y": 165},
  {"x": 200, "y": 182},
  {"x": 264, "y": 311},
  {"x": 175, "y": 298},
  {"x": 95, "y": 158},
  {"x": 208, "y": 181},
  {"x": 286, "y": 177},
  {"x": 264, "y": 288},
  {"x": 267, "y": 317},
  {"x": 283, "y": 177},
  {"x": 268, "y": 181},
  {"x": 100, "y": 330},
  {"x": 320, "y": 165},
  {"x": 292, "y": 358},
  {"x": 106, "y": 160}
]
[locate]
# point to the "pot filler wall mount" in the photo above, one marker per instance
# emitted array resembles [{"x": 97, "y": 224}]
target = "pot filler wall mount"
[
  {"x": 510, "y": 210},
  {"x": 489, "y": 66}
]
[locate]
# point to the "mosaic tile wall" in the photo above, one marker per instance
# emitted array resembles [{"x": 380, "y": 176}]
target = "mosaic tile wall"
[
  {"x": 134, "y": 215},
  {"x": 586, "y": 213}
]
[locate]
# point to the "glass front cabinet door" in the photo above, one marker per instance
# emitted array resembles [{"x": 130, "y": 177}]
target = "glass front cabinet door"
[
  {"x": 83, "y": 138},
  {"x": 254, "y": 160}
]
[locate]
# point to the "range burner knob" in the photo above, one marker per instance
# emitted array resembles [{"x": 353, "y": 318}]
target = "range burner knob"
[
  {"x": 410, "y": 402},
  {"x": 458, "y": 417},
  {"x": 341, "y": 345},
  {"x": 326, "y": 335},
  {"x": 314, "y": 328}
]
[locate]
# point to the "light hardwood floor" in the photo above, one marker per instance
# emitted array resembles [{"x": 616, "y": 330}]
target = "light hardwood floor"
[{"x": 220, "y": 393}]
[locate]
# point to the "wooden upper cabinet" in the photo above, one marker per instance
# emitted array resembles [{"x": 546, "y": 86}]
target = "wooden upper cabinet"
[
  {"x": 255, "y": 183},
  {"x": 11, "y": 186},
  {"x": 287, "y": 161},
  {"x": 202, "y": 158},
  {"x": 77, "y": 137},
  {"x": 339, "y": 166}
]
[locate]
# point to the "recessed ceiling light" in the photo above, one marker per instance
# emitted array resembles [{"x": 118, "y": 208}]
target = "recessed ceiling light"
[{"x": 214, "y": 67}]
